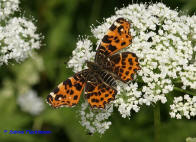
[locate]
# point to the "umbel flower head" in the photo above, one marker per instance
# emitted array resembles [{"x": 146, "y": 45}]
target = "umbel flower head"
[
  {"x": 31, "y": 103},
  {"x": 8, "y": 7},
  {"x": 165, "y": 43},
  {"x": 18, "y": 36}
]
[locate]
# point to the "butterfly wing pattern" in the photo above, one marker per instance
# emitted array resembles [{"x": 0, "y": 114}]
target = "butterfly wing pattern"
[
  {"x": 124, "y": 65},
  {"x": 68, "y": 92},
  {"x": 98, "y": 93},
  {"x": 99, "y": 79},
  {"x": 116, "y": 38}
]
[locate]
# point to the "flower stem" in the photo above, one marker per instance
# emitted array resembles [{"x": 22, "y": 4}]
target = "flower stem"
[
  {"x": 37, "y": 124},
  {"x": 185, "y": 91},
  {"x": 157, "y": 122}
]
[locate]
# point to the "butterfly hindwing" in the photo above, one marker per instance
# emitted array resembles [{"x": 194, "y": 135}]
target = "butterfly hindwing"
[
  {"x": 116, "y": 38},
  {"x": 68, "y": 92},
  {"x": 124, "y": 65},
  {"x": 98, "y": 93}
]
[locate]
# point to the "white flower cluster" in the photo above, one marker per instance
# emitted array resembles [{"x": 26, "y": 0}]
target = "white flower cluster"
[
  {"x": 82, "y": 53},
  {"x": 95, "y": 120},
  {"x": 18, "y": 36},
  {"x": 189, "y": 139},
  {"x": 165, "y": 43},
  {"x": 31, "y": 103},
  {"x": 183, "y": 107},
  {"x": 7, "y": 7},
  {"x": 129, "y": 98}
]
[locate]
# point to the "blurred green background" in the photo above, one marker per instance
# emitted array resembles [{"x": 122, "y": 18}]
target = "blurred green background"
[{"x": 61, "y": 22}]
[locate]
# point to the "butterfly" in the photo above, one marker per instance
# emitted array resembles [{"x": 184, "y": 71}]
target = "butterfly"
[{"x": 99, "y": 80}]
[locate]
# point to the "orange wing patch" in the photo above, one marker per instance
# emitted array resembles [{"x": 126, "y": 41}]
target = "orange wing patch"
[
  {"x": 98, "y": 94},
  {"x": 68, "y": 92},
  {"x": 116, "y": 38},
  {"x": 124, "y": 65}
]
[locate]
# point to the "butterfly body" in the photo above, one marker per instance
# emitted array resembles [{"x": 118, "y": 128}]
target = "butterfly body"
[
  {"x": 99, "y": 80},
  {"x": 93, "y": 66}
]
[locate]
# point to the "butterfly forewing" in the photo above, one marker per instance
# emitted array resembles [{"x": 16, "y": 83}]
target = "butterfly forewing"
[
  {"x": 116, "y": 38},
  {"x": 68, "y": 92}
]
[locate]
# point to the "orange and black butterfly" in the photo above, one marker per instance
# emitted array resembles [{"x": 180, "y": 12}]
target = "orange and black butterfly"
[{"x": 98, "y": 80}]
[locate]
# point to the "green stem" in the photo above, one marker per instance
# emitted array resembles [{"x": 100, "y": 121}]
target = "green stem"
[
  {"x": 37, "y": 123},
  {"x": 184, "y": 91},
  {"x": 157, "y": 123}
]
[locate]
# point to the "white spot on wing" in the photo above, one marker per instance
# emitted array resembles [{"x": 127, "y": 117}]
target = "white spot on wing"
[
  {"x": 52, "y": 94},
  {"x": 116, "y": 24}
]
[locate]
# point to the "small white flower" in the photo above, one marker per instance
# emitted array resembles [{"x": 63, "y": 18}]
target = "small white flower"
[
  {"x": 18, "y": 36},
  {"x": 7, "y": 7},
  {"x": 31, "y": 103},
  {"x": 95, "y": 120},
  {"x": 178, "y": 116},
  {"x": 183, "y": 107},
  {"x": 81, "y": 54}
]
